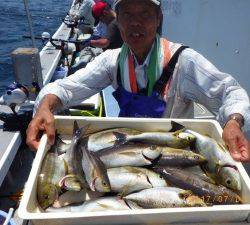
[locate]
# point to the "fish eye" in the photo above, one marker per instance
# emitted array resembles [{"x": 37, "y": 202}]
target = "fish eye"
[
  {"x": 228, "y": 182},
  {"x": 196, "y": 157},
  {"x": 104, "y": 183},
  {"x": 46, "y": 197},
  {"x": 153, "y": 147}
]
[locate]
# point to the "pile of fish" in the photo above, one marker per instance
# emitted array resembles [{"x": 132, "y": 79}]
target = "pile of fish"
[{"x": 126, "y": 169}]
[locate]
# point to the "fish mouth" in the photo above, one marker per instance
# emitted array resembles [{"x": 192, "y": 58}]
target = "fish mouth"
[{"x": 147, "y": 158}]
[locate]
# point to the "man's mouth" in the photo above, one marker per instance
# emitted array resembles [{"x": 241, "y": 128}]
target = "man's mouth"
[{"x": 136, "y": 35}]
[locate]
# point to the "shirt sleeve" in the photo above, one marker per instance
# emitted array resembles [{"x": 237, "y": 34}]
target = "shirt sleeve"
[
  {"x": 200, "y": 81},
  {"x": 84, "y": 83}
]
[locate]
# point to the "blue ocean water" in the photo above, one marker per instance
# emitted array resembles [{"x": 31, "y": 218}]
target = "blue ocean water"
[{"x": 46, "y": 16}]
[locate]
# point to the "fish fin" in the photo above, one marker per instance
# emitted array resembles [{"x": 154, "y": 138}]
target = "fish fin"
[
  {"x": 124, "y": 192},
  {"x": 209, "y": 175},
  {"x": 218, "y": 167},
  {"x": 176, "y": 126},
  {"x": 79, "y": 132},
  {"x": 185, "y": 193},
  {"x": 120, "y": 138}
]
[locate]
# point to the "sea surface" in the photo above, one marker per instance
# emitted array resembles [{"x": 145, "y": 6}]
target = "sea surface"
[{"x": 46, "y": 16}]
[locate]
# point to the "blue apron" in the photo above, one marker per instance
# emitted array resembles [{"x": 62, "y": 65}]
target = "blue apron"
[
  {"x": 140, "y": 105},
  {"x": 135, "y": 105}
]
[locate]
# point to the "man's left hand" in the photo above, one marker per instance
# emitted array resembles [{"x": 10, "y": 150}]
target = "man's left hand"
[{"x": 236, "y": 141}]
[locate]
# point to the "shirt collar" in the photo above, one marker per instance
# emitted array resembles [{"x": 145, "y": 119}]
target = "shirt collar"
[{"x": 146, "y": 62}]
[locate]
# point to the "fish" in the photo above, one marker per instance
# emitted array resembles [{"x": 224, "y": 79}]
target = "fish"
[
  {"x": 210, "y": 192},
  {"x": 109, "y": 138},
  {"x": 220, "y": 166},
  {"x": 60, "y": 147},
  {"x": 101, "y": 204},
  {"x": 155, "y": 179},
  {"x": 179, "y": 158},
  {"x": 165, "y": 197},
  {"x": 70, "y": 197},
  {"x": 118, "y": 136},
  {"x": 125, "y": 180},
  {"x": 52, "y": 171},
  {"x": 74, "y": 181},
  {"x": 177, "y": 139},
  {"x": 131, "y": 154},
  {"x": 94, "y": 169}
]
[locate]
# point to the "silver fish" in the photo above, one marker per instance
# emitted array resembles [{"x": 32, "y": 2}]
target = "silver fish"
[
  {"x": 220, "y": 166},
  {"x": 177, "y": 139},
  {"x": 101, "y": 204},
  {"x": 109, "y": 138},
  {"x": 164, "y": 197},
  {"x": 125, "y": 180},
  {"x": 202, "y": 187},
  {"x": 130, "y": 155},
  {"x": 74, "y": 181},
  {"x": 70, "y": 197},
  {"x": 179, "y": 158},
  {"x": 94, "y": 169}
]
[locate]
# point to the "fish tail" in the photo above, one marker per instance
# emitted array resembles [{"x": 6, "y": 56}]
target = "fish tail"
[
  {"x": 120, "y": 138},
  {"x": 79, "y": 132},
  {"x": 176, "y": 126}
]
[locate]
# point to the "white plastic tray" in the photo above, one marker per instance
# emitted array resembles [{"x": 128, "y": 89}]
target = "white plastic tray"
[{"x": 231, "y": 213}]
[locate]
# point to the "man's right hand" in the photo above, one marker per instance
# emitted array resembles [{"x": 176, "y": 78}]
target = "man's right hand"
[{"x": 43, "y": 122}]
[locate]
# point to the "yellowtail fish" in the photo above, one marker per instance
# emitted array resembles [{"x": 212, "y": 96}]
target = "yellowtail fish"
[
  {"x": 136, "y": 154},
  {"x": 179, "y": 158},
  {"x": 220, "y": 166},
  {"x": 52, "y": 171},
  {"x": 165, "y": 197},
  {"x": 94, "y": 169},
  {"x": 101, "y": 204},
  {"x": 203, "y": 187},
  {"x": 109, "y": 138},
  {"x": 74, "y": 181}
]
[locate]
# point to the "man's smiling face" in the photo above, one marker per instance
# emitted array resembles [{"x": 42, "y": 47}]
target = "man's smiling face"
[{"x": 138, "y": 21}]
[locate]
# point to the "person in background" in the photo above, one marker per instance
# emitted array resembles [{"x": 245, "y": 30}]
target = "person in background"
[
  {"x": 84, "y": 12},
  {"x": 152, "y": 77},
  {"x": 111, "y": 38}
]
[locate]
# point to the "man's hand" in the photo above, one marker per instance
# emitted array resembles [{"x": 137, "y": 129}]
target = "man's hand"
[
  {"x": 236, "y": 142},
  {"x": 43, "y": 121}
]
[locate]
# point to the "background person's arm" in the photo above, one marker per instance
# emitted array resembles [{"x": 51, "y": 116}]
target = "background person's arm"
[{"x": 100, "y": 43}]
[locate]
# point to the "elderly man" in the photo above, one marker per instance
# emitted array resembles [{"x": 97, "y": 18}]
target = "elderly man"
[{"x": 148, "y": 82}]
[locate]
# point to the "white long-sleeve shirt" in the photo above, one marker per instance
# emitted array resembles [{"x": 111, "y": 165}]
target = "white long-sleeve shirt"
[{"x": 195, "y": 79}]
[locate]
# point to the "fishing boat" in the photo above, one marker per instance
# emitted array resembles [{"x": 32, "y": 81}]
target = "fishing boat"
[{"x": 56, "y": 59}]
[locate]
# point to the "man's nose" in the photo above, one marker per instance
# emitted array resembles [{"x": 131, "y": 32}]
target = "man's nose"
[{"x": 136, "y": 20}]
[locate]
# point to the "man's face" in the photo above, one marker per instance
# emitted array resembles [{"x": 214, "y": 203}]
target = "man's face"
[{"x": 138, "y": 21}]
